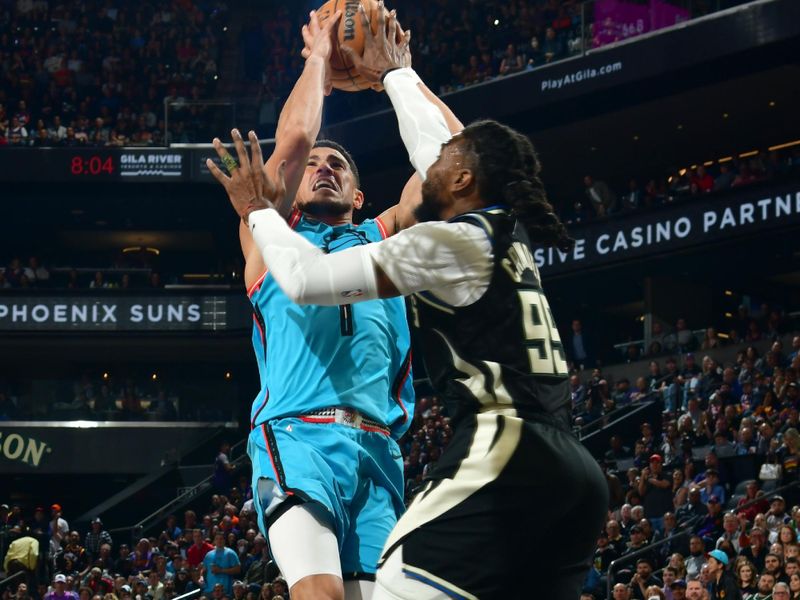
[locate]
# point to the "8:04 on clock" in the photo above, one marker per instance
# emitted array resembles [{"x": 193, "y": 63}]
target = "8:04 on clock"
[{"x": 92, "y": 165}]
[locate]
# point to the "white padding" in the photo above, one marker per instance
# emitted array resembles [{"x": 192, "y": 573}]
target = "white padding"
[
  {"x": 304, "y": 272},
  {"x": 392, "y": 584},
  {"x": 303, "y": 544},
  {"x": 358, "y": 589},
  {"x": 422, "y": 125}
]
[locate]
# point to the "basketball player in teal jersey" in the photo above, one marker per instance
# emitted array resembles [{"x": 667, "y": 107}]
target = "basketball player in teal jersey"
[{"x": 336, "y": 382}]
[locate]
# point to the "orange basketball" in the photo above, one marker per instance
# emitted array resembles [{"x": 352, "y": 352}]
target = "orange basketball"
[{"x": 344, "y": 76}]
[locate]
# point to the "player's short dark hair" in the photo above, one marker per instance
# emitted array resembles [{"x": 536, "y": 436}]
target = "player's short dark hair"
[
  {"x": 507, "y": 172},
  {"x": 343, "y": 151}
]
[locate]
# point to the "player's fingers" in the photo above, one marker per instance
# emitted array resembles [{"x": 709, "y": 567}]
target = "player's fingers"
[
  {"x": 218, "y": 175},
  {"x": 305, "y": 53},
  {"x": 333, "y": 22},
  {"x": 381, "y": 18},
  {"x": 223, "y": 154},
  {"x": 241, "y": 152},
  {"x": 353, "y": 56},
  {"x": 313, "y": 22},
  {"x": 308, "y": 39},
  {"x": 391, "y": 27},
  {"x": 369, "y": 37},
  {"x": 280, "y": 184},
  {"x": 257, "y": 162}
]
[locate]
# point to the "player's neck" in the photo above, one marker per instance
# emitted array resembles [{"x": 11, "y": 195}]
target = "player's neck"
[
  {"x": 332, "y": 220},
  {"x": 459, "y": 206}
]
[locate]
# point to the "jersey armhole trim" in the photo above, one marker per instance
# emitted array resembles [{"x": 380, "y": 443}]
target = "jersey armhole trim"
[
  {"x": 382, "y": 228},
  {"x": 257, "y": 284}
]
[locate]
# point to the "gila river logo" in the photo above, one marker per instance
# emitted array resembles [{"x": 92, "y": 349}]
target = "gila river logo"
[{"x": 30, "y": 451}]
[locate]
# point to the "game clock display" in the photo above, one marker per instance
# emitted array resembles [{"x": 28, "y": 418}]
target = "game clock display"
[{"x": 92, "y": 165}]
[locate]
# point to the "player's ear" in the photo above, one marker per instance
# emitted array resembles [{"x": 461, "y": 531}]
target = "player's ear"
[
  {"x": 358, "y": 200},
  {"x": 462, "y": 180}
]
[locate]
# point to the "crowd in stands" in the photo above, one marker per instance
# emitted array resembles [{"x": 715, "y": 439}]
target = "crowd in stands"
[
  {"x": 129, "y": 396},
  {"x": 100, "y": 398},
  {"x": 702, "y": 479},
  {"x": 124, "y": 273},
  {"x": 92, "y": 72},
  {"x": 98, "y": 73},
  {"x": 178, "y": 558},
  {"x": 35, "y": 275},
  {"x": 218, "y": 551},
  {"x": 601, "y": 200}
]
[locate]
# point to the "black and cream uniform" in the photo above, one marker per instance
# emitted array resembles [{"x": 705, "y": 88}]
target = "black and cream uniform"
[{"x": 515, "y": 498}]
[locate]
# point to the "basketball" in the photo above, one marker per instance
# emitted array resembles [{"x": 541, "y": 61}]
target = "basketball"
[{"x": 344, "y": 75}]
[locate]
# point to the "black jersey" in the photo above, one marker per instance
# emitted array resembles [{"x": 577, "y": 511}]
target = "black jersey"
[{"x": 502, "y": 353}]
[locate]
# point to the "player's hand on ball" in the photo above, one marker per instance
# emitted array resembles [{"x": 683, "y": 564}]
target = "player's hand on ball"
[
  {"x": 388, "y": 48},
  {"x": 249, "y": 187},
  {"x": 319, "y": 41}
]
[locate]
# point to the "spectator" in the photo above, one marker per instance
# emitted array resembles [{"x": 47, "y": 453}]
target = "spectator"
[
  {"x": 220, "y": 565},
  {"x": 513, "y": 61},
  {"x": 600, "y": 196},
  {"x": 197, "y": 552},
  {"x": 642, "y": 579},
  {"x": 702, "y": 180},
  {"x": 553, "y": 48},
  {"x": 656, "y": 492},
  {"x": 223, "y": 469},
  {"x": 578, "y": 349},
  {"x": 96, "y": 538}
]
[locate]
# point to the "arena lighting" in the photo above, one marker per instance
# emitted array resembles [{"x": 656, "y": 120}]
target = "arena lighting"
[
  {"x": 154, "y": 377},
  {"x": 680, "y": 126},
  {"x": 782, "y": 146},
  {"x": 728, "y": 293},
  {"x": 682, "y": 172},
  {"x": 155, "y": 251},
  {"x": 708, "y": 163},
  {"x": 728, "y": 315},
  {"x": 746, "y": 154},
  {"x": 724, "y": 336},
  {"x": 772, "y": 103},
  {"x": 227, "y": 374},
  {"x": 724, "y": 115},
  {"x": 725, "y": 159},
  {"x": 105, "y": 375},
  {"x": 636, "y": 138},
  {"x": 496, "y": 22}
]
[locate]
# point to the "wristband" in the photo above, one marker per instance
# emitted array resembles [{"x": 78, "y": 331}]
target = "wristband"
[{"x": 401, "y": 71}]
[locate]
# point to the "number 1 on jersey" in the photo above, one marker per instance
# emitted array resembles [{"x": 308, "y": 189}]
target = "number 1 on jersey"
[{"x": 545, "y": 350}]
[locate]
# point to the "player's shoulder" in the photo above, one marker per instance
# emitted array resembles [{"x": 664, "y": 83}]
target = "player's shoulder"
[{"x": 375, "y": 229}]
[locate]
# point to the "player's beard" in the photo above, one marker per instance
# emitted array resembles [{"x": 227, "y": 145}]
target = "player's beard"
[
  {"x": 325, "y": 208},
  {"x": 428, "y": 209}
]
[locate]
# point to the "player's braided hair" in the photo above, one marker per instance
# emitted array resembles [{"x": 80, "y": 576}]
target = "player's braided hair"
[{"x": 507, "y": 172}]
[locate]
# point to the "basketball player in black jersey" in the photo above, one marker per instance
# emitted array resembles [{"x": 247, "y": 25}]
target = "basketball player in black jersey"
[{"x": 513, "y": 507}]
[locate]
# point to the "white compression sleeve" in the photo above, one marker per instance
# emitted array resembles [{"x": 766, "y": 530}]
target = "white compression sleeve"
[
  {"x": 422, "y": 124},
  {"x": 304, "y": 272}
]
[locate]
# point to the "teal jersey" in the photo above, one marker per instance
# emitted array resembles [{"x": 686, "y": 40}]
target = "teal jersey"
[{"x": 314, "y": 357}]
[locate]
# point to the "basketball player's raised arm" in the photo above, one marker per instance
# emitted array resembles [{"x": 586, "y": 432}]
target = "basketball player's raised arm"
[
  {"x": 298, "y": 126},
  {"x": 425, "y": 121},
  {"x": 455, "y": 257}
]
